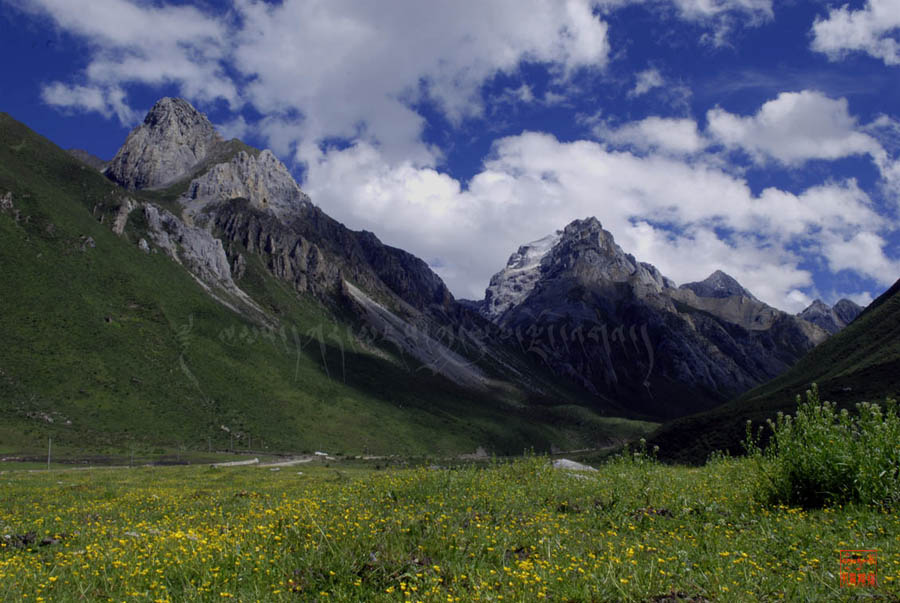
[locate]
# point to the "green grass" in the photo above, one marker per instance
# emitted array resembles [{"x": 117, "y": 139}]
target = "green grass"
[
  {"x": 635, "y": 530},
  {"x": 862, "y": 362},
  {"x": 108, "y": 349},
  {"x": 821, "y": 456}
]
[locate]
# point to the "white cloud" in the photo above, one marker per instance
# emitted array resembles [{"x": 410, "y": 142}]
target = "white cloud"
[
  {"x": 347, "y": 68},
  {"x": 106, "y": 101},
  {"x": 141, "y": 43},
  {"x": 323, "y": 58},
  {"x": 234, "y": 128},
  {"x": 871, "y": 29},
  {"x": 793, "y": 128},
  {"x": 799, "y": 299},
  {"x": 863, "y": 253},
  {"x": 704, "y": 9},
  {"x": 534, "y": 184},
  {"x": 645, "y": 81},
  {"x": 679, "y": 136},
  {"x": 863, "y": 298}
]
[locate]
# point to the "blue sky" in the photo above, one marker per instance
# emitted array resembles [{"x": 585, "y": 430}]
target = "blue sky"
[{"x": 755, "y": 136}]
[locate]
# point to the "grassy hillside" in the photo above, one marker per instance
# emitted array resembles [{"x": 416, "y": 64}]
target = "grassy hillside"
[
  {"x": 861, "y": 363},
  {"x": 105, "y": 348}
]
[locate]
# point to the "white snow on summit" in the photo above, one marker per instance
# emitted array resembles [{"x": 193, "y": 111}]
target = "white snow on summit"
[{"x": 511, "y": 286}]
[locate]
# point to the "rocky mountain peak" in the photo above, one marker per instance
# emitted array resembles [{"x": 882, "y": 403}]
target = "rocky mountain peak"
[
  {"x": 719, "y": 285},
  {"x": 583, "y": 251},
  {"x": 173, "y": 138},
  {"x": 831, "y": 319},
  {"x": 583, "y": 227},
  {"x": 847, "y": 310},
  {"x": 590, "y": 254},
  {"x": 818, "y": 306}
]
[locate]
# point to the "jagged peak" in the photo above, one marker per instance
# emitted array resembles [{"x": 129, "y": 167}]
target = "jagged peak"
[
  {"x": 847, "y": 310},
  {"x": 718, "y": 284},
  {"x": 817, "y": 306},
  {"x": 847, "y": 303},
  {"x": 173, "y": 138},
  {"x": 588, "y": 224},
  {"x": 174, "y": 108}
]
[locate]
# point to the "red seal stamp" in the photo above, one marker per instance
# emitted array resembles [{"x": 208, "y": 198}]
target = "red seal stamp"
[{"x": 859, "y": 568}]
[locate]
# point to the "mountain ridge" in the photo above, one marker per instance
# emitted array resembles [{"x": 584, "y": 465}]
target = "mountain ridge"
[
  {"x": 859, "y": 363},
  {"x": 139, "y": 336},
  {"x": 710, "y": 340}
]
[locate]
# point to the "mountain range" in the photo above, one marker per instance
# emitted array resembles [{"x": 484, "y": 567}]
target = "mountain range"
[
  {"x": 626, "y": 332},
  {"x": 188, "y": 283}
]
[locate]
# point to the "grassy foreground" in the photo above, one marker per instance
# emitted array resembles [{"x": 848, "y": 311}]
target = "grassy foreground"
[{"x": 635, "y": 530}]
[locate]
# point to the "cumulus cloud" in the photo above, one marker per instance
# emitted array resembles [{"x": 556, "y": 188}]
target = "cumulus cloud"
[
  {"x": 871, "y": 29},
  {"x": 664, "y": 210},
  {"x": 143, "y": 43},
  {"x": 106, "y": 101},
  {"x": 679, "y": 136},
  {"x": 793, "y": 128},
  {"x": 863, "y": 253},
  {"x": 331, "y": 55}
]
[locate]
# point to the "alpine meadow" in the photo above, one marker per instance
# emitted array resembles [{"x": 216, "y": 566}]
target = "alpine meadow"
[{"x": 430, "y": 301}]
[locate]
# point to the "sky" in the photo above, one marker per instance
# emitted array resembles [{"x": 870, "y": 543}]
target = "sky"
[{"x": 759, "y": 137}]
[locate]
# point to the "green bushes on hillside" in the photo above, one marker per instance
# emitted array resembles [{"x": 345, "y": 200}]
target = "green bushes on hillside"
[{"x": 822, "y": 456}]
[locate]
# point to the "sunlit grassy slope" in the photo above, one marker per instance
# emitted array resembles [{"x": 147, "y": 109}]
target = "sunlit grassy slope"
[
  {"x": 107, "y": 348},
  {"x": 862, "y": 362}
]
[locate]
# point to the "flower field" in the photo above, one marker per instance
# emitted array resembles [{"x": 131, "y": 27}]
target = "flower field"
[{"x": 635, "y": 530}]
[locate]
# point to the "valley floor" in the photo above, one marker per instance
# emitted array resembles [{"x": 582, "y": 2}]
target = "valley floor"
[{"x": 634, "y": 530}]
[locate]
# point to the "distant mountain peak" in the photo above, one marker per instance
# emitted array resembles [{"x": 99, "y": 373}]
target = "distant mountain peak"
[
  {"x": 173, "y": 138},
  {"x": 818, "y": 304},
  {"x": 582, "y": 250},
  {"x": 718, "y": 284},
  {"x": 832, "y": 319}
]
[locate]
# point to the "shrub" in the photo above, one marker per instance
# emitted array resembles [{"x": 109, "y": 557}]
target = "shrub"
[{"x": 822, "y": 456}]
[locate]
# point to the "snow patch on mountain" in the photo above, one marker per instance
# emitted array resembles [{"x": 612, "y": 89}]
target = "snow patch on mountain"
[{"x": 510, "y": 286}]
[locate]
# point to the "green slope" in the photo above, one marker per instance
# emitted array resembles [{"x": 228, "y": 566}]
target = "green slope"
[
  {"x": 121, "y": 348},
  {"x": 861, "y": 363}
]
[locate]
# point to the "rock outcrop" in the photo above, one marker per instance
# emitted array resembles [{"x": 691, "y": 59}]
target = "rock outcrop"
[
  {"x": 262, "y": 180},
  {"x": 173, "y": 139},
  {"x": 202, "y": 254},
  {"x": 831, "y": 319}
]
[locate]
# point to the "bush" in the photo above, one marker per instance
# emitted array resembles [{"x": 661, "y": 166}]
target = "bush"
[{"x": 822, "y": 456}]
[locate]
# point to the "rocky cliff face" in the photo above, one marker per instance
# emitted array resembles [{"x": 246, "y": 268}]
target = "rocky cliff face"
[
  {"x": 623, "y": 331},
  {"x": 831, "y": 319},
  {"x": 172, "y": 140},
  {"x": 238, "y": 201},
  {"x": 262, "y": 180}
]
